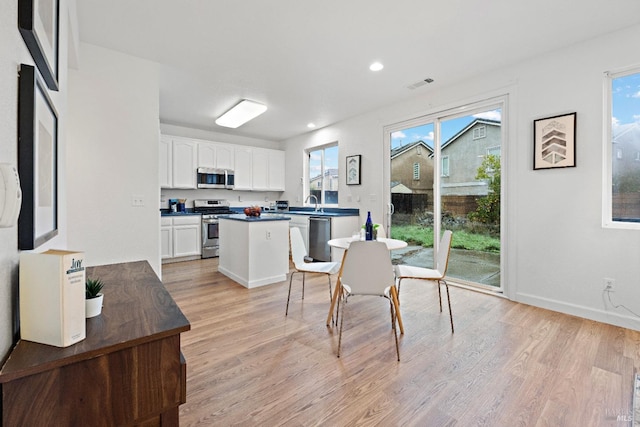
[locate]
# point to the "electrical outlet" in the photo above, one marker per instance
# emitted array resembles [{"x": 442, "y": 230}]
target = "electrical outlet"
[
  {"x": 137, "y": 201},
  {"x": 609, "y": 284},
  {"x": 268, "y": 235}
]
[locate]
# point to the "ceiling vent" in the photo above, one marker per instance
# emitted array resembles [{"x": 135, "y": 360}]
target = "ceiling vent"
[{"x": 420, "y": 83}]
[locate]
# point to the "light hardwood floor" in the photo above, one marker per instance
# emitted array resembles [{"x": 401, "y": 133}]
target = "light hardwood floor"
[{"x": 507, "y": 364}]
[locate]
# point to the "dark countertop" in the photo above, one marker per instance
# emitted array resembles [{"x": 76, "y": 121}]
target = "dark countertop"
[
  {"x": 263, "y": 217},
  {"x": 327, "y": 212},
  {"x": 296, "y": 210},
  {"x": 167, "y": 212}
]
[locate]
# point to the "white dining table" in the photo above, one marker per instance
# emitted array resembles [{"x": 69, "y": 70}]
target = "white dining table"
[{"x": 343, "y": 243}]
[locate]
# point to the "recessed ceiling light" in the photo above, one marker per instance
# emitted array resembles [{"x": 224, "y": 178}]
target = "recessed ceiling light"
[
  {"x": 241, "y": 113},
  {"x": 376, "y": 66},
  {"x": 311, "y": 125}
]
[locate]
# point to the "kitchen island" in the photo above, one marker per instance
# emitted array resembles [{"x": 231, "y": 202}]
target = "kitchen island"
[{"x": 254, "y": 251}]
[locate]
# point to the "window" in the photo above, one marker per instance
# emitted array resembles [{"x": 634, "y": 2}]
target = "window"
[
  {"x": 622, "y": 181},
  {"x": 322, "y": 175},
  {"x": 493, "y": 151},
  {"x": 480, "y": 132},
  {"x": 445, "y": 165},
  {"x": 416, "y": 171}
]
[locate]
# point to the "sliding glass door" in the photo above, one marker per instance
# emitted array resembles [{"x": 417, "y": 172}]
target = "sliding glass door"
[{"x": 445, "y": 173}]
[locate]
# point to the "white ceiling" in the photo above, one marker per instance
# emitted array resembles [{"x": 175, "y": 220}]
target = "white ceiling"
[{"x": 309, "y": 60}]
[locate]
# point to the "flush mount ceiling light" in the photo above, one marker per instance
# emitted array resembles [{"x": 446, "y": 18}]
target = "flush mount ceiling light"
[
  {"x": 376, "y": 66},
  {"x": 311, "y": 125},
  {"x": 244, "y": 111}
]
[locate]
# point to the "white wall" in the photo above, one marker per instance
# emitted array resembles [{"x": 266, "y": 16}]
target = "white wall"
[
  {"x": 113, "y": 139},
  {"x": 557, "y": 252},
  {"x": 14, "y": 52}
]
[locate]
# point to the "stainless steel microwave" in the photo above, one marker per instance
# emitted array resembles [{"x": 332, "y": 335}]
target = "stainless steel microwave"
[{"x": 215, "y": 178}]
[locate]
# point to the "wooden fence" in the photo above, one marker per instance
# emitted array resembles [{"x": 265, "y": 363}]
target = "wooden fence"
[
  {"x": 626, "y": 206},
  {"x": 414, "y": 203}
]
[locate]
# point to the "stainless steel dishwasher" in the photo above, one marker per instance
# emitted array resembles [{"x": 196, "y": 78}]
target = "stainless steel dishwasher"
[{"x": 319, "y": 235}]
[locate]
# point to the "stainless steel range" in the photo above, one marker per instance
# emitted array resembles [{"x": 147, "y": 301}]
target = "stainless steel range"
[{"x": 210, "y": 210}]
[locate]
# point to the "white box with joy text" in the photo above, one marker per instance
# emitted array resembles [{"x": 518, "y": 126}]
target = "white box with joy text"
[{"x": 52, "y": 295}]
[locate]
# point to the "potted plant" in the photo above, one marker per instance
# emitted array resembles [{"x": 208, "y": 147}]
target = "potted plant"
[{"x": 93, "y": 297}]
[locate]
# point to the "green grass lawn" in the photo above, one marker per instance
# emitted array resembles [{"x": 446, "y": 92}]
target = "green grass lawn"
[{"x": 417, "y": 235}]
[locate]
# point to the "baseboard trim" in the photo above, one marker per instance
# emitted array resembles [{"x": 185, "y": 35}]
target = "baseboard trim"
[{"x": 598, "y": 315}]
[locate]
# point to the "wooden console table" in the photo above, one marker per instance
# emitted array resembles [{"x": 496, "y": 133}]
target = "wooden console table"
[{"x": 128, "y": 371}]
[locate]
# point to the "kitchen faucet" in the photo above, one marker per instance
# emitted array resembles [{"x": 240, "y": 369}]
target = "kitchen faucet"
[{"x": 316, "y": 201}]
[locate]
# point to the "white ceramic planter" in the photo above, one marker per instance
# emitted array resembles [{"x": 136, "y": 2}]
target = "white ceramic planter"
[{"x": 93, "y": 306}]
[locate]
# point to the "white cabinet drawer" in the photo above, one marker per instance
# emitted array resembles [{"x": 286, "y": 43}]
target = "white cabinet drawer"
[{"x": 187, "y": 220}]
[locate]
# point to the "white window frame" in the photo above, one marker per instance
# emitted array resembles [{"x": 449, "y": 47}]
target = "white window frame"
[
  {"x": 490, "y": 150},
  {"x": 607, "y": 167},
  {"x": 479, "y": 132},
  {"x": 320, "y": 184},
  {"x": 416, "y": 171},
  {"x": 445, "y": 170}
]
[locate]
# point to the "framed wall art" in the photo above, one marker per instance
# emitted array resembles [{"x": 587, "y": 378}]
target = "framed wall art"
[
  {"x": 353, "y": 169},
  {"x": 37, "y": 161},
  {"x": 554, "y": 142},
  {"x": 38, "y": 22}
]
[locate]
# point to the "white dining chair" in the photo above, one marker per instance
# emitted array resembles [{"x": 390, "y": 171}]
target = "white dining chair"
[
  {"x": 436, "y": 275},
  {"x": 367, "y": 271},
  {"x": 298, "y": 254}
]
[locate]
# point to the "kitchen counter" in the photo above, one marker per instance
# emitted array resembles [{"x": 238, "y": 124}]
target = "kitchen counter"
[
  {"x": 326, "y": 212},
  {"x": 254, "y": 251},
  {"x": 167, "y": 212}
]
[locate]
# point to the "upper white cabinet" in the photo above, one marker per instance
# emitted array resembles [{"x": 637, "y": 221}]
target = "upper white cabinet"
[
  {"x": 178, "y": 162},
  {"x": 276, "y": 170},
  {"x": 243, "y": 168},
  {"x": 185, "y": 163},
  {"x": 268, "y": 170},
  {"x": 255, "y": 169},
  {"x": 260, "y": 175},
  {"x": 215, "y": 155}
]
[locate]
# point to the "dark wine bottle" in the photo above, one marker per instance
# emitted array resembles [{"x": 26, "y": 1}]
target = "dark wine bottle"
[{"x": 368, "y": 227}]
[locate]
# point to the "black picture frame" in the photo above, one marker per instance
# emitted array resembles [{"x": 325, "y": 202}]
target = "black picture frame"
[
  {"x": 39, "y": 24},
  {"x": 554, "y": 142},
  {"x": 353, "y": 169},
  {"x": 37, "y": 161}
]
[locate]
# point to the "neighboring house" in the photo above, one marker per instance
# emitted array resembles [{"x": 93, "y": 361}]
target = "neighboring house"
[
  {"x": 330, "y": 181},
  {"x": 625, "y": 164},
  {"x": 626, "y": 158},
  {"x": 330, "y": 187},
  {"x": 399, "y": 188},
  {"x": 463, "y": 153},
  {"x": 412, "y": 166}
]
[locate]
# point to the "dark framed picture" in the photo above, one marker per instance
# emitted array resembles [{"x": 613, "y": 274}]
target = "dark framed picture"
[
  {"x": 554, "y": 142},
  {"x": 37, "y": 161},
  {"x": 38, "y": 21},
  {"x": 353, "y": 170}
]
